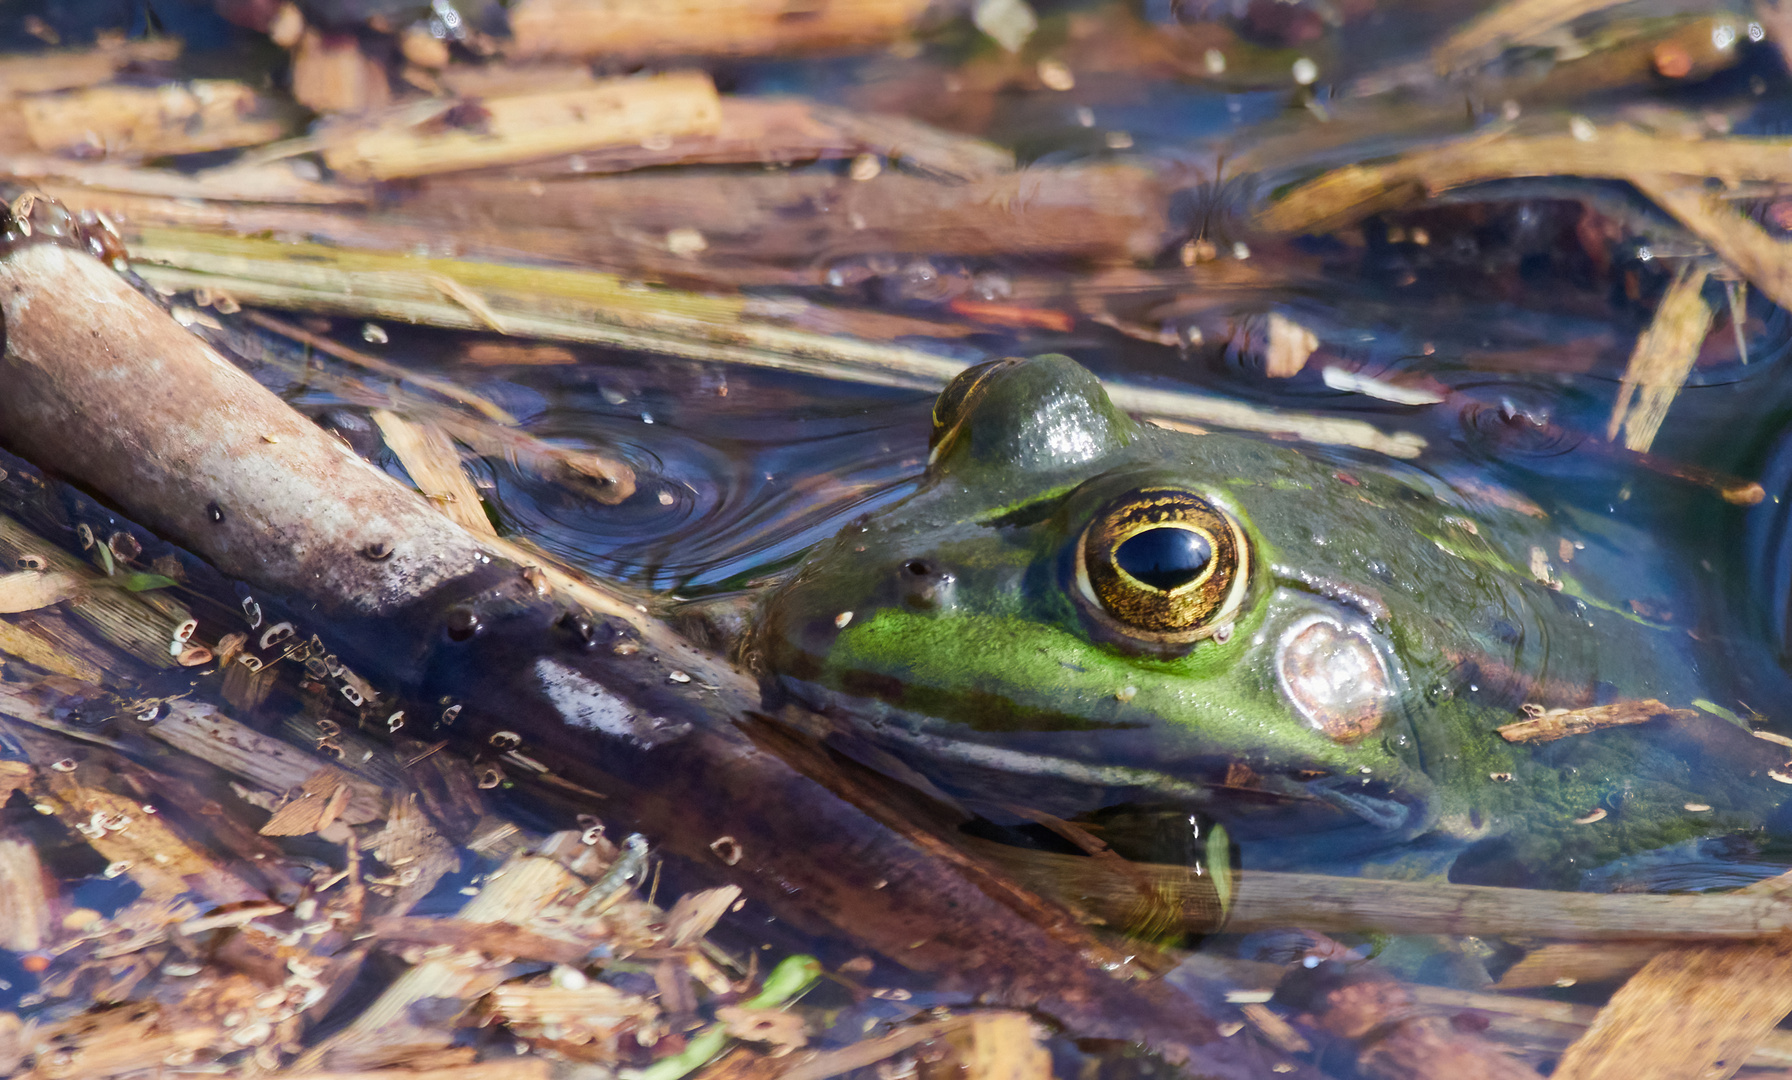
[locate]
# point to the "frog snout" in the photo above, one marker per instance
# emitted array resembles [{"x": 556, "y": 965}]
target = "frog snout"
[{"x": 925, "y": 585}]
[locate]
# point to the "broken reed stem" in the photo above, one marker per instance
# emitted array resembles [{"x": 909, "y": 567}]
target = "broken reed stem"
[
  {"x": 149, "y": 631},
  {"x": 1341, "y": 196},
  {"x": 1663, "y": 358},
  {"x": 1337, "y": 904},
  {"x": 594, "y": 308}
]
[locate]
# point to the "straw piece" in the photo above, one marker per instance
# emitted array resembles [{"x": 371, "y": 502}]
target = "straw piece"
[
  {"x": 501, "y": 130},
  {"x": 1764, "y": 261},
  {"x": 1663, "y": 358},
  {"x": 125, "y": 619},
  {"x": 138, "y": 121},
  {"x": 430, "y": 457},
  {"x": 40, "y": 651}
]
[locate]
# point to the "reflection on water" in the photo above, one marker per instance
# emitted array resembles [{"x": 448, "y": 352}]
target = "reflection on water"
[{"x": 738, "y": 473}]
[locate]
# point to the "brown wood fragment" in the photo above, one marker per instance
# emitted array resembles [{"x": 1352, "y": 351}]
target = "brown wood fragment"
[
  {"x": 1116, "y": 212},
  {"x": 475, "y": 134},
  {"x": 42, "y": 73},
  {"x": 319, "y": 802},
  {"x": 1394, "y": 1040},
  {"x": 138, "y": 842},
  {"x": 521, "y": 889},
  {"x": 1689, "y": 1012},
  {"x": 1343, "y": 195},
  {"x": 640, "y": 28},
  {"x": 520, "y": 1069},
  {"x": 142, "y": 122},
  {"x": 1557, "y": 725},
  {"x": 823, "y": 1065},
  {"x": 696, "y": 914},
  {"x": 430, "y": 457}
]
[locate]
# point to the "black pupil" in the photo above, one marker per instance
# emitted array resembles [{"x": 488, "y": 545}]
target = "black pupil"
[{"x": 1164, "y": 557}]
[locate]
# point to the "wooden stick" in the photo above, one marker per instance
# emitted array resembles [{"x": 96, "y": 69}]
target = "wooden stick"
[
  {"x": 1267, "y": 900},
  {"x": 640, "y": 28}
]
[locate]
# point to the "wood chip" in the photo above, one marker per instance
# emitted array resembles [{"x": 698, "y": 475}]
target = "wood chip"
[
  {"x": 696, "y": 914},
  {"x": 330, "y": 74},
  {"x": 1290, "y": 344},
  {"x": 1552, "y": 726},
  {"x": 319, "y": 802},
  {"x": 1689, "y": 1012}
]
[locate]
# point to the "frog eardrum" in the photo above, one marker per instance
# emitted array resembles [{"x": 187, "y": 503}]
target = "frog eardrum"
[{"x": 1163, "y": 564}]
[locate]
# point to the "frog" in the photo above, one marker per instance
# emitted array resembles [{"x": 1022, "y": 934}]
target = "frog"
[{"x": 1078, "y": 613}]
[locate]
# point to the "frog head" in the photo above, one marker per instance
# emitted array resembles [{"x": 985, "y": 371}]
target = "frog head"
[{"x": 1077, "y": 610}]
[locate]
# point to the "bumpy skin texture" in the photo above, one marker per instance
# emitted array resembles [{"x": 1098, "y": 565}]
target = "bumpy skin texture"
[{"x": 968, "y": 656}]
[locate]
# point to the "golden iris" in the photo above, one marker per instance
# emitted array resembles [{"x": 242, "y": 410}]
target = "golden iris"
[{"x": 1165, "y": 563}]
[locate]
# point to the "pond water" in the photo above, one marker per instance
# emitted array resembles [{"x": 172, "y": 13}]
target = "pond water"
[{"x": 1494, "y": 321}]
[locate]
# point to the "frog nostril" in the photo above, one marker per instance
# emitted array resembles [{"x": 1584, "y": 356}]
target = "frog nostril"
[{"x": 924, "y": 585}]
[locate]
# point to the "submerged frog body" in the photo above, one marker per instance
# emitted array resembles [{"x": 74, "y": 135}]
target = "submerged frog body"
[{"x": 1077, "y": 612}]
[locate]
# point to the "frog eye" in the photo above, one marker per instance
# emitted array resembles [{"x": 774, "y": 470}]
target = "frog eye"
[
  {"x": 955, "y": 401},
  {"x": 1164, "y": 563}
]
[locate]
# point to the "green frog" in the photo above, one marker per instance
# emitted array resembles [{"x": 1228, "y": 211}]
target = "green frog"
[{"x": 1082, "y": 615}]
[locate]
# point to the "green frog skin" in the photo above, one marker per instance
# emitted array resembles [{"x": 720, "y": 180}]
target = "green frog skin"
[{"x": 1077, "y": 612}]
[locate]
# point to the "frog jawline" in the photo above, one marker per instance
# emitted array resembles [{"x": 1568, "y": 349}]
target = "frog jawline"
[{"x": 897, "y": 731}]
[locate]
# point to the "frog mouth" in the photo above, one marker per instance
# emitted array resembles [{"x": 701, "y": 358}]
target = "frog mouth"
[{"x": 1267, "y": 802}]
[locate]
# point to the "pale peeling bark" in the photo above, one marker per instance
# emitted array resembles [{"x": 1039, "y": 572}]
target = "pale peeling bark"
[{"x": 100, "y": 384}]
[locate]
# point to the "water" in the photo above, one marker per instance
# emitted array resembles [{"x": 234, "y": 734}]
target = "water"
[{"x": 1516, "y": 304}]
